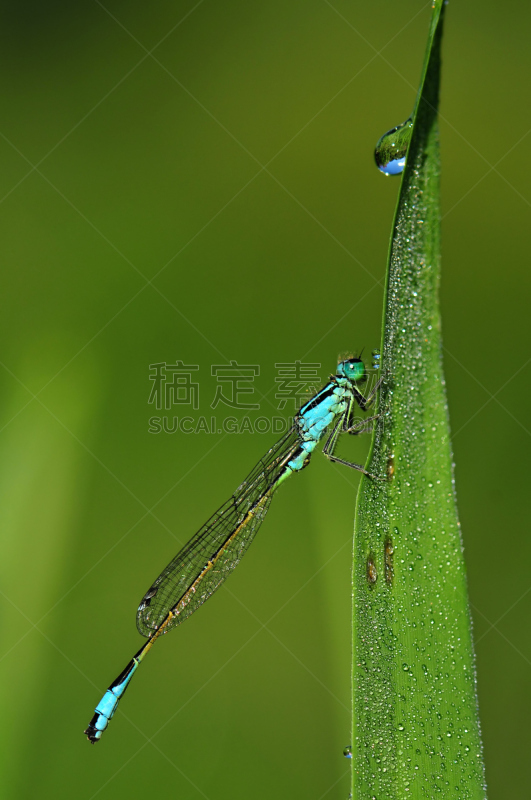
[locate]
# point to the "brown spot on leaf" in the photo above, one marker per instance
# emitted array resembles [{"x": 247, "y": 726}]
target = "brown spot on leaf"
[{"x": 372, "y": 572}]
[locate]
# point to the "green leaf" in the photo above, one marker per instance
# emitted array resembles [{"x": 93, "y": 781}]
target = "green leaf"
[{"x": 416, "y": 729}]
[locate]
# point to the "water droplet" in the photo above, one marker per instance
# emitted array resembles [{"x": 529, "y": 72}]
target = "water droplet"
[
  {"x": 391, "y": 148},
  {"x": 376, "y": 359},
  {"x": 347, "y": 752},
  {"x": 388, "y": 556}
]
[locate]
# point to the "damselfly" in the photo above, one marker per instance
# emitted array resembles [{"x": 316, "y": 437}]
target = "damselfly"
[{"x": 210, "y": 556}]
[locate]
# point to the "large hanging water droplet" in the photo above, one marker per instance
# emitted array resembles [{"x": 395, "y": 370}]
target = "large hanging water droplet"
[
  {"x": 347, "y": 752},
  {"x": 391, "y": 149}
]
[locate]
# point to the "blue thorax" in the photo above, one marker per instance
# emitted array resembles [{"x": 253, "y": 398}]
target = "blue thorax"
[{"x": 325, "y": 407}]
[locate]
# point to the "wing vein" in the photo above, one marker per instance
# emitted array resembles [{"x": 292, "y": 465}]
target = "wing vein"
[{"x": 205, "y": 562}]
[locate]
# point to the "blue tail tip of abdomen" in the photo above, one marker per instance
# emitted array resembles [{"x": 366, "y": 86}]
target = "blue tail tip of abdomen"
[{"x": 96, "y": 726}]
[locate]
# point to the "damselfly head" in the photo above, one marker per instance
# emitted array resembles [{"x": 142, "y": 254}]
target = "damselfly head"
[{"x": 353, "y": 369}]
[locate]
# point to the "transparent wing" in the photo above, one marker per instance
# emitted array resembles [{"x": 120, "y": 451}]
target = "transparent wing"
[{"x": 216, "y": 549}]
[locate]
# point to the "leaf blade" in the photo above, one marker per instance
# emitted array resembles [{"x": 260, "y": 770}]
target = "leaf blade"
[{"x": 416, "y": 728}]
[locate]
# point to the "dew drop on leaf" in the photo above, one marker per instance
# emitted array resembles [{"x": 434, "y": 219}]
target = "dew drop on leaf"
[{"x": 391, "y": 149}]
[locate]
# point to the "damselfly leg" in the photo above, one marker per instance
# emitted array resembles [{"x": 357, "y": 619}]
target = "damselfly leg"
[{"x": 330, "y": 445}]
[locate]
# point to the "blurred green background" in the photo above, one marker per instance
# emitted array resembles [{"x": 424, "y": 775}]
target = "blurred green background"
[{"x": 233, "y": 167}]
